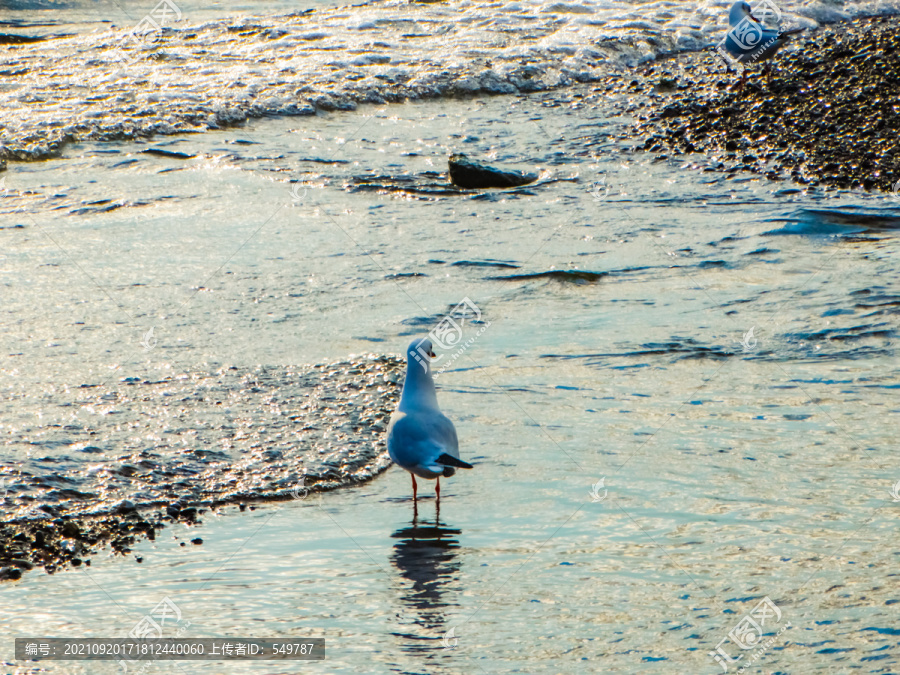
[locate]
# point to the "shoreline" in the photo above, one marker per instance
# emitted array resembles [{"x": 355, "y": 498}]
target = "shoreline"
[
  {"x": 655, "y": 86},
  {"x": 610, "y": 315},
  {"x": 55, "y": 544},
  {"x": 328, "y": 444},
  {"x": 220, "y": 75},
  {"x": 820, "y": 90}
]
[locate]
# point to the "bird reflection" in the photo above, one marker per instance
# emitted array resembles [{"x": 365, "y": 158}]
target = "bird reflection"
[{"x": 426, "y": 555}]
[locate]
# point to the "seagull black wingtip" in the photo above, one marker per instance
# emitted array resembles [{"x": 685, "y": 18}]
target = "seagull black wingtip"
[{"x": 450, "y": 460}]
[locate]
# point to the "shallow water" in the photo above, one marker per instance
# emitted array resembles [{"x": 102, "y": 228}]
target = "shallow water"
[{"x": 736, "y": 465}]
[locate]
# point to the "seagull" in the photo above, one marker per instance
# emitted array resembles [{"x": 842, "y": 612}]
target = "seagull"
[
  {"x": 752, "y": 41},
  {"x": 420, "y": 438}
]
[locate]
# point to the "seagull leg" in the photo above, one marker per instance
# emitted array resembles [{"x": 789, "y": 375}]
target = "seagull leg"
[
  {"x": 437, "y": 490},
  {"x": 414, "y": 487}
]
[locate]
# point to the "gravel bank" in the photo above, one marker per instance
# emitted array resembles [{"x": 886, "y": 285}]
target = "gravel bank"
[{"x": 826, "y": 117}]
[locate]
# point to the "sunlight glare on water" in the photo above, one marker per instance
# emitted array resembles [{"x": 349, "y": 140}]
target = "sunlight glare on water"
[{"x": 691, "y": 338}]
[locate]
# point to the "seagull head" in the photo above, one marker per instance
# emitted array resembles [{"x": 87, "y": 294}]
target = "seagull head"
[
  {"x": 422, "y": 346},
  {"x": 740, "y": 11},
  {"x": 420, "y": 351}
]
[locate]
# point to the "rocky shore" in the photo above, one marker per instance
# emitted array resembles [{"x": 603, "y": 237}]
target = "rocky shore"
[
  {"x": 58, "y": 543},
  {"x": 826, "y": 117},
  {"x": 61, "y": 542}
]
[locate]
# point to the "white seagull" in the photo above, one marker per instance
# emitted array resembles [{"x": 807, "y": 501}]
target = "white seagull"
[
  {"x": 750, "y": 41},
  {"x": 420, "y": 438}
]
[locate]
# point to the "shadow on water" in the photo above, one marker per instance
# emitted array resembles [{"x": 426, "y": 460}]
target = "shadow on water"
[{"x": 425, "y": 554}]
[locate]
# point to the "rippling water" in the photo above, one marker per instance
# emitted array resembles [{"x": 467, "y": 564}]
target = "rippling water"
[
  {"x": 199, "y": 437},
  {"x": 728, "y": 367},
  {"x": 719, "y": 349}
]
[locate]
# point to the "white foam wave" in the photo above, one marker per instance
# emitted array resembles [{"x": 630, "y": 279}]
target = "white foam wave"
[{"x": 221, "y": 72}]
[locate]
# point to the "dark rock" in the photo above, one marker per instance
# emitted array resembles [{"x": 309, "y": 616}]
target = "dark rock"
[
  {"x": 197, "y": 541},
  {"x": 71, "y": 530},
  {"x": 171, "y": 154},
  {"x": 473, "y": 175},
  {"x": 666, "y": 84},
  {"x": 21, "y": 564},
  {"x": 125, "y": 506},
  {"x": 572, "y": 276},
  {"x": 10, "y": 573},
  {"x": 10, "y": 39},
  {"x": 670, "y": 111}
]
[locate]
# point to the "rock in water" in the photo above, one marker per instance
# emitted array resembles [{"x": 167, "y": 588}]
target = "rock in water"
[{"x": 469, "y": 174}]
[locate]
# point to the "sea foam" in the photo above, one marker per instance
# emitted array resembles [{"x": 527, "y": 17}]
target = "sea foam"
[{"x": 196, "y": 77}]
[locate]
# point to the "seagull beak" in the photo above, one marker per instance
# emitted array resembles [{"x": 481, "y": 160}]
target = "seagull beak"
[{"x": 431, "y": 354}]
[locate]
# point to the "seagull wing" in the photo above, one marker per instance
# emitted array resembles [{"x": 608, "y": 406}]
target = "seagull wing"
[{"x": 417, "y": 440}]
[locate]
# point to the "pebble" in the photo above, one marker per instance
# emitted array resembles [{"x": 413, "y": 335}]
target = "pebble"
[
  {"x": 10, "y": 573},
  {"x": 125, "y": 506}
]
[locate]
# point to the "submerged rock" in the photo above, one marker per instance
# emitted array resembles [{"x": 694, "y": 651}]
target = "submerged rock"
[
  {"x": 570, "y": 276},
  {"x": 125, "y": 506},
  {"x": 470, "y": 174},
  {"x": 171, "y": 154}
]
